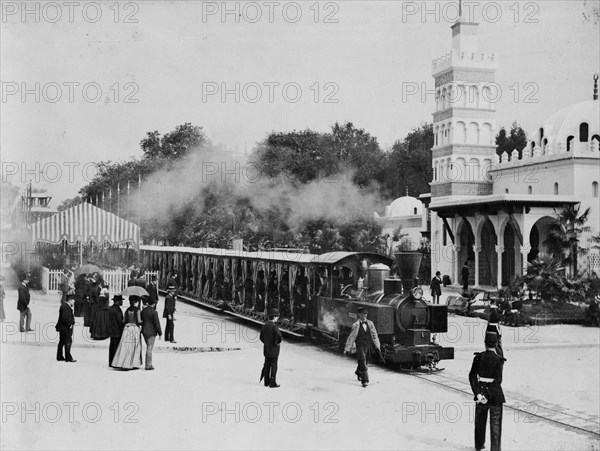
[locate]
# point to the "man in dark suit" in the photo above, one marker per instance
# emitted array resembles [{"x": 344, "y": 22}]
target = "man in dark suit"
[
  {"x": 169, "y": 312},
  {"x": 115, "y": 326},
  {"x": 150, "y": 329},
  {"x": 152, "y": 290},
  {"x": 64, "y": 327},
  {"x": 436, "y": 288},
  {"x": 271, "y": 336},
  {"x": 23, "y": 305},
  {"x": 485, "y": 378}
]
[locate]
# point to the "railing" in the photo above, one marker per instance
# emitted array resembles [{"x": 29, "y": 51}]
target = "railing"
[
  {"x": 51, "y": 280},
  {"x": 116, "y": 279}
]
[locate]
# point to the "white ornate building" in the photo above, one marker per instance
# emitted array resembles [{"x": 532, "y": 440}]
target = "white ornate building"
[
  {"x": 494, "y": 213},
  {"x": 405, "y": 212}
]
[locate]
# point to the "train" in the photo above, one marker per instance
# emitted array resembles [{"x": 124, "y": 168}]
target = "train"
[{"x": 318, "y": 295}]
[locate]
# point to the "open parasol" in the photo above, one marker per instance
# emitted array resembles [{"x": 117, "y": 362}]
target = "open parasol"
[
  {"x": 88, "y": 269},
  {"x": 134, "y": 291}
]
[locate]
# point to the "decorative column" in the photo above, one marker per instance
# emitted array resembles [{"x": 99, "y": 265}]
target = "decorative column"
[
  {"x": 499, "y": 252},
  {"x": 477, "y": 250},
  {"x": 455, "y": 268},
  {"x": 525, "y": 250}
]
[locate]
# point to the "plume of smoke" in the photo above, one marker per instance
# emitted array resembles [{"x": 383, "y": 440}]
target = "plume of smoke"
[{"x": 183, "y": 185}]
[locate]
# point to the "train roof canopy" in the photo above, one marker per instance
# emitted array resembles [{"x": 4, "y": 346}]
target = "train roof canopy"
[
  {"x": 287, "y": 257},
  {"x": 339, "y": 258}
]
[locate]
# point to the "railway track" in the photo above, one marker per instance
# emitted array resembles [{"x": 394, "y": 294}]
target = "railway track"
[{"x": 525, "y": 410}]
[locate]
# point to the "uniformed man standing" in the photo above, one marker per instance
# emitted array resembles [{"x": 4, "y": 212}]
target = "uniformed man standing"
[
  {"x": 169, "y": 313},
  {"x": 486, "y": 379},
  {"x": 363, "y": 337}
]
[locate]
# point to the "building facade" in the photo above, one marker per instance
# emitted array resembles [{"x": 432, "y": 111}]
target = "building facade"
[{"x": 493, "y": 213}]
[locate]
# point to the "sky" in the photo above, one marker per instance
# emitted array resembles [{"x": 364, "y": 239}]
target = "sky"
[{"x": 84, "y": 82}]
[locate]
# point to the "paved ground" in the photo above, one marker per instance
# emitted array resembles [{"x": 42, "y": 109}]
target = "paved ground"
[{"x": 212, "y": 400}]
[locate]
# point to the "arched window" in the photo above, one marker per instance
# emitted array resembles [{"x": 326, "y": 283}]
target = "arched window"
[
  {"x": 532, "y": 147},
  {"x": 569, "y": 139},
  {"x": 584, "y": 131},
  {"x": 506, "y": 191},
  {"x": 415, "y": 211},
  {"x": 529, "y": 190},
  {"x": 541, "y": 134},
  {"x": 597, "y": 139},
  {"x": 544, "y": 143},
  {"x": 555, "y": 188},
  {"x": 595, "y": 189}
]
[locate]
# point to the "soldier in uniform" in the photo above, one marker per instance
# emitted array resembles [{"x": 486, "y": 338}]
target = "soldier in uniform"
[
  {"x": 486, "y": 379},
  {"x": 363, "y": 337}
]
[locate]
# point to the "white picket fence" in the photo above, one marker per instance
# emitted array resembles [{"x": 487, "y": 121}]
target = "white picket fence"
[{"x": 116, "y": 279}]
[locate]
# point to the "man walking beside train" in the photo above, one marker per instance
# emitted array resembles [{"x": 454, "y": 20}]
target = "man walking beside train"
[{"x": 363, "y": 337}]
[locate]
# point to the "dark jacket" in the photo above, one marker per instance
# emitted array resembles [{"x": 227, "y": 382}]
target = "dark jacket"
[
  {"x": 436, "y": 286},
  {"x": 169, "y": 306},
  {"x": 489, "y": 365},
  {"x": 271, "y": 336},
  {"x": 152, "y": 291},
  {"x": 115, "y": 321},
  {"x": 150, "y": 322},
  {"x": 140, "y": 282},
  {"x": 66, "y": 318},
  {"x": 24, "y": 298}
]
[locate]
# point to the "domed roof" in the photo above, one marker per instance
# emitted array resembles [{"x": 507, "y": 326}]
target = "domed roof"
[
  {"x": 404, "y": 206},
  {"x": 564, "y": 123}
]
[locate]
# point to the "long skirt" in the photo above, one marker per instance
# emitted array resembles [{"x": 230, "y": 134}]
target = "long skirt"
[
  {"x": 101, "y": 327},
  {"x": 79, "y": 306},
  {"x": 92, "y": 312},
  {"x": 129, "y": 352}
]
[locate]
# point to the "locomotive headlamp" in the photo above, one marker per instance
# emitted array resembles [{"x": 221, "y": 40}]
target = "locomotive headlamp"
[{"x": 417, "y": 293}]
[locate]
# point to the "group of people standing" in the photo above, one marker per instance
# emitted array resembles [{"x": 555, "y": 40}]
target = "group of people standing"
[{"x": 88, "y": 297}]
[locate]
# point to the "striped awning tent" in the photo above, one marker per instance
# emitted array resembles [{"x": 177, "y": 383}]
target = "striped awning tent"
[{"x": 85, "y": 223}]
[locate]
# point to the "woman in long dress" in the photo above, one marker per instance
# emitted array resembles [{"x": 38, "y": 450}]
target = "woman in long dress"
[
  {"x": 129, "y": 352},
  {"x": 101, "y": 327}
]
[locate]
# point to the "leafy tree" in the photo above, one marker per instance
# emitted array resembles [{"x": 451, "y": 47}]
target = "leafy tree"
[
  {"x": 408, "y": 166},
  {"x": 516, "y": 139},
  {"x": 305, "y": 156},
  {"x": 68, "y": 203},
  {"x": 564, "y": 234},
  {"x": 173, "y": 145}
]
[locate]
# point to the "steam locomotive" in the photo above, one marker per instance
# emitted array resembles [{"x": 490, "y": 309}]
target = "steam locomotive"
[{"x": 317, "y": 295}]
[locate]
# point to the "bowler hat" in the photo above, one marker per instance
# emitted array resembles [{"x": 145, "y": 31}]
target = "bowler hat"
[
  {"x": 273, "y": 312},
  {"x": 362, "y": 310},
  {"x": 491, "y": 339},
  {"x": 171, "y": 288},
  {"x": 117, "y": 297}
]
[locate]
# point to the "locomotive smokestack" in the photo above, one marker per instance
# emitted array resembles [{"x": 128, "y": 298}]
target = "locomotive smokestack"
[{"x": 408, "y": 268}]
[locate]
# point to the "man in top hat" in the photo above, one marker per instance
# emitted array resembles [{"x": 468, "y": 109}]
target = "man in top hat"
[
  {"x": 486, "y": 379},
  {"x": 23, "y": 305},
  {"x": 64, "y": 327},
  {"x": 169, "y": 312},
  {"x": 150, "y": 329},
  {"x": 271, "y": 336},
  {"x": 115, "y": 326},
  {"x": 436, "y": 288},
  {"x": 363, "y": 337}
]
